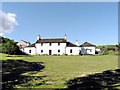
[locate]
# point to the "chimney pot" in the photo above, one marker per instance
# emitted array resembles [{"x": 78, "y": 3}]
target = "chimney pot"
[
  {"x": 65, "y": 37},
  {"x": 77, "y": 42},
  {"x": 38, "y": 37}
]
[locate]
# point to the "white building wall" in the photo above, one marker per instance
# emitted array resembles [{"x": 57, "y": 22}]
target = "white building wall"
[
  {"x": 88, "y": 50},
  {"x": 54, "y": 48},
  {"x": 98, "y": 49},
  {"x": 75, "y": 50},
  {"x": 33, "y": 51}
]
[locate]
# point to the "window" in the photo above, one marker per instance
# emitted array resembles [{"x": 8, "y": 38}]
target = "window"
[
  {"x": 41, "y": 51},
  {"x": 70, "y": 50},
  {"x": 58, "y": 44},
  {"x": 58, "y": 51},
  {"x": 90, "y": 50},
  {"x": 41, "y": 44},
  {"x": 29, "y": 51},
  {"x": 50, "y": 44}
]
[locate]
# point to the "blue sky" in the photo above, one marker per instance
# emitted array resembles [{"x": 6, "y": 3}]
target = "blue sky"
[{"x": 96, "y": 23}]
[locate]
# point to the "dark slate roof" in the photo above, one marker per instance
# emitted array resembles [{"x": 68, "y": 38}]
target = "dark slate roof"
[
  {"x": 32, "y": 45},
  {"x": 86, "y": 44},
  {"x": 59, "y": 40},
  {"x": 69, "y": 44}
]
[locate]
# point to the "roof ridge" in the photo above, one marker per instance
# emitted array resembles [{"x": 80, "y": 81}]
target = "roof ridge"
[
  {"x": 53, "y": 38},
  {"x": 57, "y": 40},
  {"x": 70, "y": 44},
  {"x": 87, "y": 44}
]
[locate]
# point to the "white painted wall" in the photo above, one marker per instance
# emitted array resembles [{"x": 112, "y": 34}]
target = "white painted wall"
[
  {"x": 75, "y": 50},
  {"x": 54, "y": 47},
  {"x": 33, "y": 50},
  {"x": 84, "y": 51},
  {"x": 98, "y": 49}
]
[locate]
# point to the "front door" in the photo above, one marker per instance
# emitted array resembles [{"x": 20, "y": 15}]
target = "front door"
[{"x": 50, "y": 52}]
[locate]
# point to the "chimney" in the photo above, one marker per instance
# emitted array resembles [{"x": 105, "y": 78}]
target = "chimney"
[
  {"x": 77, "y": 42},
  {"x": 38, "y": 37},
  {"x": 65, "y": 37}
]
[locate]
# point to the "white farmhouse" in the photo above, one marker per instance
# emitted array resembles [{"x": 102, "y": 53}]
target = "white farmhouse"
[{"x": 58, "y": 46}]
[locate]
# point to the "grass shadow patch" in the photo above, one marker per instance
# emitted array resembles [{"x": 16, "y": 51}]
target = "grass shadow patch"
[
  {"x": 19, "y": 56},
  {"x": 109, "y": 79},
  {"x": 12, "y": 71}
]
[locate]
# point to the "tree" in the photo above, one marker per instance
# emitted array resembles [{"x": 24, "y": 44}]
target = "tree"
[{"x": 9, "y": 46}]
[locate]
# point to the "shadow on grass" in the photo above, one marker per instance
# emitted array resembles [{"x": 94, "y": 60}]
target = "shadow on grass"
[
  {"x": 107, "y": 80},
  {"x": 12, "y": 71},
  {"x": 19, "y": 56}
]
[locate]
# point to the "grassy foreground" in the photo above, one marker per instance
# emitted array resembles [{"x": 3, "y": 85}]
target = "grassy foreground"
[{"x": 57, "y": 69}]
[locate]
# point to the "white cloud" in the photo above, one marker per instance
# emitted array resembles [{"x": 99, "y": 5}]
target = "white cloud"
[{"x": 7, "y": 22}]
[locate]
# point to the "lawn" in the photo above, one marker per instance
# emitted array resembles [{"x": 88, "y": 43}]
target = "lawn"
[{"x": 56, "y": 70}]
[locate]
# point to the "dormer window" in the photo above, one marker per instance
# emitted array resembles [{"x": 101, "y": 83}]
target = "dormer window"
[
  {"x": 50, "y": 44},
  {"x": 41, "y": 44},
  {"x": 58, "y": 44}
]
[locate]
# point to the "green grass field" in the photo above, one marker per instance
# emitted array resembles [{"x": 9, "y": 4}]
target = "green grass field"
[{"x": 59, "y": 69}]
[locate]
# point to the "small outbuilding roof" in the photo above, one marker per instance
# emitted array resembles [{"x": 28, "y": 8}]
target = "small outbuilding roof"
[
  {"x": 69, "y": 44},
  {"x": 86, "y": 44},
  {"x": 59, "y": 40},
  {"x": 32, "y": 45}
]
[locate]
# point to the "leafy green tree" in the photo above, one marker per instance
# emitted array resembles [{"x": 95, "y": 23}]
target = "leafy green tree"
[{"x": 9, "y": 46}]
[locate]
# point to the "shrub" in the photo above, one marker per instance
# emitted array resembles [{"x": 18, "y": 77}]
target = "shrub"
[{"x": 9, "y": 47}]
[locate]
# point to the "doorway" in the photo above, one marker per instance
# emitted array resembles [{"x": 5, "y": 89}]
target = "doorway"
[{"x": 50, "y": 52}]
